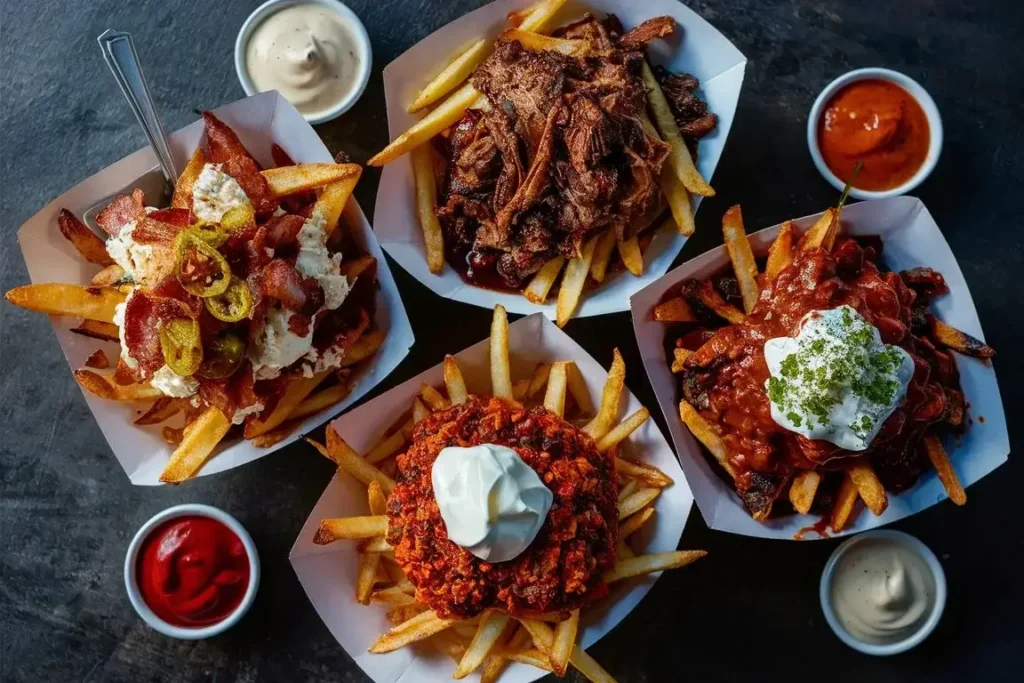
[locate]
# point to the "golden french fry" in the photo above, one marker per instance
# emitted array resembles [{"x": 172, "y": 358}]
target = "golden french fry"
[
  {"x": 418, "y": 628},
  {"x": 200, "y": 438},
  {"x": 348, "y": 460},
  {"x": 371, "y": 560},
  {"x": 442, "y": 117},
  {"x": 496, "y": 662},
  {"x": 333, "y": 198},
  {"x": 104, "y": 386},
  {"x": 742, "y": 256},
  {"x": 543, "y": 638},
  {"x": 287, "y": 180},
  {"x": 419, "y": 410},
  {"x": 426, "y": 206},
  {"x": 944, "y": 468},
  {"x": 578, "y": 389},
  {"x": 182, "y": 197},
  {"x": 457, "y": 71},
  {"x": 538, "y": 380},
  {"x": 572, "y": 283},
  {"x": 350, "y": 528},
  {"x": 488, "y": 633},
  {"x": 364, "y": 347},
  {"x": 564, "y": 642},
  {"x": 316, "y": 402},
  {"x": 589, "y": 667},
  {"x": 679, "y": 157},
  {"x": 433, "y": 398},
  {"x": 952, "y": 338},
  {"x": 541, "y": 283},
  {"x": 295, "y": 392},
  {"x": 713, "y": 300},
  {"x": 627, "y": 490},
  {"x": 634, "y": 523},
  {"x": 538, "y": 42},
  {"x": 780, "y": 254},
  {"x": 674, "y": 310},
  {"x": 275, "y": 435},
  {"x": 845, "y": 500},
  {"x": 393, "y": 596},
  {"x": 679, "y": 357},
  {"x": 501, "y": 371},
  {"x": 533, "y": 657},
  {"x": 540, "y": 16},
  {"x": 706, "y": 434},
  {"x": 93, "y": 303},
  {"x": 385, "y": 449},
  {"x": 87, "y": 243},
  {"x": 817, "y": 237},
  {"x": 162, "y": 409},
  {"x": 869, "y": 487},
  {"x": 376, "y": 544},
  {"x": 356, "y": 267},
  {"x": 629, "y": 252},
  {"x": 678, "y": 199},
  {"x": 554, "y": 397},
  {"x": 655, "y": 562},
  {"x": 609, "y": 409},
  {"x": 803, "y": 490},
  {"x": 97, "y": 330},
  {"x": 637, "y": 501},
  {"x": 648, "y": 475},
  {"x": 108, "y": 277},
  {"x": 602, "y": 255},
  {"x": 453, "y": 382},
  {"x": 623, "y": 430}
]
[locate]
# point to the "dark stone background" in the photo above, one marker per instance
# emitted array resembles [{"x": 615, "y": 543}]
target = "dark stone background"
[{"x": 750, "y": 611}]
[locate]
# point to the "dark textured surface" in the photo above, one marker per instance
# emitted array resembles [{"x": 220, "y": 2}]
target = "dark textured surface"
[{"x": 748, "y": 612}]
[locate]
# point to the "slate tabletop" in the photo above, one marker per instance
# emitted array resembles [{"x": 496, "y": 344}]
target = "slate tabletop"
[{"x": 748, "y": 612}]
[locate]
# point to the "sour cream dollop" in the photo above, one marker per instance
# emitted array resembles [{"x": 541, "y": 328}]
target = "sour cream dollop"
[
  {"x": 835, "y": 381},
  {"x": 492, "y": 503}
]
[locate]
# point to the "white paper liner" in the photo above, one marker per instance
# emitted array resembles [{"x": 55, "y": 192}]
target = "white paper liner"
[
  {"x": 260, "y": 121},
  {"x": 328, "y": 573},
  {"x": 911, "y": 238},
  {"x": 697, "y": 48}
]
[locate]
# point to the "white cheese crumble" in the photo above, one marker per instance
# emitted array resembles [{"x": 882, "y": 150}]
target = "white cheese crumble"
[
  {"x": 173, "y": 384},
  {"x": 242, "y": 413},
  {"x": 215, "y": 193},
  {"x": 136, "y": 259},
  {"x": 277, "y": 347},
  {"x": 119, "y": 321},
  {"x": 314, "y": 261}
]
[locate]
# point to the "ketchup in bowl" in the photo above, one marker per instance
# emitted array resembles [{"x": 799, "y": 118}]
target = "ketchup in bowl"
[
  {"x": 192, "y": 571},
  {"x": 879, "y": 123}
]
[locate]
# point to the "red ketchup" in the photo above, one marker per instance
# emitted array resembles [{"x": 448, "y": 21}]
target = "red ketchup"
[{"x": 192, "y": 571}]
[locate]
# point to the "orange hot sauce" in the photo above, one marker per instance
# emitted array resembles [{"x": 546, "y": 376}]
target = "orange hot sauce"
[{"x": 879, "y": 123}]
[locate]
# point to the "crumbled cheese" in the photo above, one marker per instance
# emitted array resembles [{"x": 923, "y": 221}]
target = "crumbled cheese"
[
  {"x": 119, "y": 321},
  {"x": 215, "y": 193},
  {"x": 242, "y": 413},
  {"x": 314, "y": 261},
  {"x": 136, "y": 259},
  {"x": 172, "y": 384},
  {"x": 277, "y": 347}
]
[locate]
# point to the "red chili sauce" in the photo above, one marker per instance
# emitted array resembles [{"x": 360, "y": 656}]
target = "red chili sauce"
[
  {"x": 193, "y": 571},
  {"x": 879, "y": 123}
]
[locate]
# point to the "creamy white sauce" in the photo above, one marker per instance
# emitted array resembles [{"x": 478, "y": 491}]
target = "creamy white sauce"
[
  {"x": 882, "y": 591},
  {"x": 835, "y": 381},
  {"x": 242, "y": 413},
  {"x": 215, "y": 193},
  {"x": 492, "y": 503},
  {"x": 277, "y": 347},
  {"x": 172, "y": 384},
  {"x": 314, "y": 261},
  {"x": 308, "y": 54},
  {"x": 119, "y": 321},
  {"x": 140, "y": 262}
]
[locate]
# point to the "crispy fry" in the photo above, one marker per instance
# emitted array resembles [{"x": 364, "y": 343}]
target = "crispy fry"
[
  {"x": 817, "y": 237},
  {"x": 295, "y": 392},
  {"x": 952, "y": 338},
  {"x": 637, "y": 501},
  {"x": 623, "y": 430},
  {"x": 496, "y": 662},
  {"x": 540, "y": 16},
  {"x": 868, "y": 486},
  {"x": 444, "y": 115},
  {"x": 679, "y": 357},
  {"x": 533, "y": 657},
  {"x": 632, "y": 258},
  {"x": 97, "y": 330},
  {"x": 347, "y": 459},
  {"x": 678, "y": 199},
  {"x": 275, "y": 435},
  {"x": 109, "y": 276},
  {"x": 162, "y": 409},
  {"x": 554, "y": 397},
  {"x": 364, "y": 347},
  {"x": 944, "y": 468},
  {"x": 453, "y": 382},
  {"x": 803, "y": 490},
  {"x": 679, "y": 157},
  {"x": 843, "y": 505},
  {"x": 333, "y": 198},
  {"x": 706, "y": 434},
  {"x": 578, "y": 389},
  {"x": 182, "y": 198},
  {"x": 609, "y": 410},
  {"x": 541, "y": 283},
  {"x": 654, "y": 562},
  {"x": 370, "y": 560},
  {"x": 501, "y": 371},
  {"x": 674, "y": 310},
  {"x": 287, "y": 180},
  {"x": 421, "y": 626},
  {"x": 519, "y": 388},
  {"x": 356, "y": 267},
  {"x": 457, "y": 71},
  {"x": 589, "y": 667},
  {"x": 627, "y": 490},
  {"x": 713, "y": 300},
  {"x": 200, "y": 438},
  {"x": 104, "y": 386},
  {"x": 393, "y": 596},
  {"x": 350, "y": 528},
  {"x": 564, "y": 642},
  {"x": 537, "y": 42},
  {"x": 419, "y": 410},
  {"x": 385, "y": 449},
  {"x": 488, "y": 632},
  {"x": 87, "y": 243},
  {"x": 572, "y": 283},
  {"x": 377, "y": 544},
  {"x": 433, "y": 398},
  {"x": 93, "y": 303},
  {"x": 538, "y": 380},
  {"x": 648, "y": 475},
  {"x": 602, "y": 255},
  {"x": 426, "y": 206},
  {"x": 634, "y": 523},
  {"x": 316, "y": 402},
  {"x": 780, "y": 254},
  {"x": 742, "y": 256}
]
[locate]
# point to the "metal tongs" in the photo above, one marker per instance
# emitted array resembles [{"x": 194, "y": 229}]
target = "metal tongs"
[{"x": 157, "y": 183}]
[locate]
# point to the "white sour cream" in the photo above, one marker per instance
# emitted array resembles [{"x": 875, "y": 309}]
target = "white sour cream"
[
  {"x": 492, "y": 503},
  {"x": 835, "y": 381},
  {"x": 314, "y": 261},
  {"x": 277, "y": 347},
  {"x": 215, "y": 193}
]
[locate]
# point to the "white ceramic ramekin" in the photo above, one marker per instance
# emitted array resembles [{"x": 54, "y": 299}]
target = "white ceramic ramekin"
[
  {"x": 931, "y": 112},
  {"x": 927, "y": 625},
  {"x": 358, "y": 31},
  {"x": 132, "y": 585}
]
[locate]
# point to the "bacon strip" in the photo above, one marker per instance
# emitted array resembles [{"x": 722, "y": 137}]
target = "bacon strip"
[
  {"x": 124, "y": 209},
  {"x": 144, "y": 315},
  {"x": 228, "y": 150}
]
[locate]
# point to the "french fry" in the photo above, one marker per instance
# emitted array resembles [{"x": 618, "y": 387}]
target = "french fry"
[
  {"x": 609, "y": 409},
  {"x": 364, "y": 347},
  {"x": 538, "y": 380},
  {"x": 632, "y": 258},
  {"x": 646, "y": 474},
  {"x": 370, "y": 560},
  {"x": 457, "y": 71},
  {"x": 578, "y": 389},
  {"x": 679, "y": 157},
  {"x": 162, "y": 409},
  {"x": 295, "y": 392},
  {"x": 348, "y": 460},
  {"x": 543, "y": 638},
  {"x": 540, "y": 17},
  {"x": 637, "y": 501},
  {"x": 453, "y": 382},
  {"x": 287, "y": 180},
  {"x": 443, "y": 116},
  {"x": 706, "y": 434},
  {"x": 488, "y": 632},
  {"x": 350, "y": 528},
  {"x": 944, "y": 468},
  {"x": 554, "y": 397},
  {"x": 393, "y": 596},
  {"x": 376, "y": 544},
  {"x": 182, "y": 197},
  {"x": 627, "y": 490},
  {"x": 333, "y": 198},
  {"x": 674, "y": 310},
  {"x": 97, "y": 330},
  {"x": 87, "y": 243},
  {"x": 679, "y": 357},
  {"x": 602, "y": 255},
  {"x": 104, "y": 386},
  {"x": 780, "y": 254},
  {"x": 564, "y": 642},
  {"x": 817, "y": 236},
  {"x": 433, "y": 398},
  {"x": 533, "y": 657},
  {"x": 108, "y": 277},
  {"x": 418, "y": 628},
  {"x": 538, "y": 42},
  {"x": 869, "y": 487},
  {"x": 742, "y": 257},
  {"x": 501, "y": 371},
  {"x": 496, "y": 662},
  {"x": 803, "y": 489},
  {"x": 713, "y": 300},
  {"x": 654, "y": 562},
  {"x": 93, "y": 303},
  {"x": 842, "y": 507},
  {"x": 952, "y": 338},
  {"x": 542, "y": 281},
  {"x": 426, "y": 206},
  {"x": 356, "y": 267},
  {"x": 275, "y": 435},
  {"x": 385, "y": 449},
  {"x": 316, "y": 402},
  {"x": 678, "y": 199},
  {"x": 572, "y": 283},
  {"x": 634, "y": 523},
  {"x": 589, "y": 667},
  {"x": 200, "y": 438},
  {"x": 623, "y": 430},
  {"x": 419, "y": 410}
]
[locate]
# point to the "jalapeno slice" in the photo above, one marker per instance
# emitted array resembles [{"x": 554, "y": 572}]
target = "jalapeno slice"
[
  {"x": 199, "y": 267},
  {"x": 222, "y": 357},
  {"x": 231, "y": 305},
  {"x": 236, "y": 219},
  {"x": 211, "y": 233},
  {"x": 179, "y": 341}
]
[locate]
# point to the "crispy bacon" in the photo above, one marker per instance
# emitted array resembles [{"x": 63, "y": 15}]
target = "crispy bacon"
[
  {"x": 226, "y": 149},
  {"x": 149, "y": 230},
  {"x": 299, "y": 324},
  {"x": 282, "y": 282},
  {"x": 124, "y": 209},
  {"x": 144, "y": 315},
  {"x": 281, "y": 230},
  {"x": 233, "y": 393},
  {"x": 652, "y": 29},
  {"x": 170, "y": 288},
  {"x": 182, "y": 217}
]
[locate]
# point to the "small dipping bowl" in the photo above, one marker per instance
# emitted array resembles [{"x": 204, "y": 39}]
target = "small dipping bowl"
[
  {"x": 915, "y": 90},
  {"x": 926, "y": 625},
  {"x": 131, "y": 561},
  {"x": 362, "y": 45}
]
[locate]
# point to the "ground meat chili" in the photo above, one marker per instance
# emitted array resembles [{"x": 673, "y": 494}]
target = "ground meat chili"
[
  {"x": 562, "y": 568},
  {"x": 725, "y": 377}
]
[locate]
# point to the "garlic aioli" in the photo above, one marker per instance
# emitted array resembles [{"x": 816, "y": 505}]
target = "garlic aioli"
[
  {"x": 882, "y": 591},
  {"x": 306, "y": 52}
]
